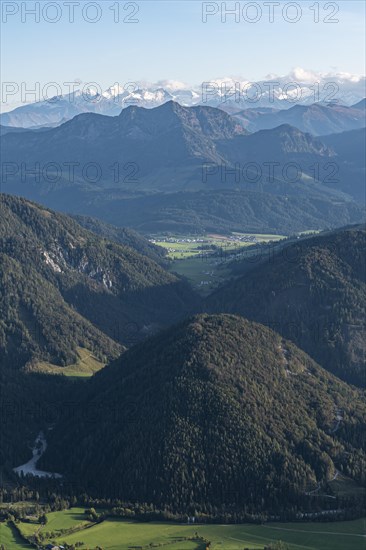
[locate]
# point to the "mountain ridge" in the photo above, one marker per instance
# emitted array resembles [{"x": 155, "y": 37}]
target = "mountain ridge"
[
  {"x": 318, "y": 119},
  {"x": 104, "y": 290},
  {"x": 93, "y": 163},
  {"x": 311, "y": 292},
  {"x": 203, "y": 428},
  {"x": 221, "y": 93}
]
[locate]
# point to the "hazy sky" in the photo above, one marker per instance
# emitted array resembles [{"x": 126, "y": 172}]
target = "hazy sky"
[{"x": 169, "y": 40}]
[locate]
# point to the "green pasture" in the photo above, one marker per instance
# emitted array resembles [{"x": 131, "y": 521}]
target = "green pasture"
[{"x": 117, "y": 534}]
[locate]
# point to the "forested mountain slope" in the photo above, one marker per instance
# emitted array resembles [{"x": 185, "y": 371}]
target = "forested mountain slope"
[
  {"x": 62, "y": 286},
  {"x": 312, "y": 292},
  {"x": 124, "y": 236},
  {"x": 215, "y": 413}
]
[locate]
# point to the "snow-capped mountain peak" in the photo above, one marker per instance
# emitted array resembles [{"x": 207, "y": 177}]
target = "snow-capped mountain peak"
[{"x": 300, "y": 87}]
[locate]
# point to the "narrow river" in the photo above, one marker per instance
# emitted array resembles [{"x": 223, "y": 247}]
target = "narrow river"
[{"x": 30, "y": 468}]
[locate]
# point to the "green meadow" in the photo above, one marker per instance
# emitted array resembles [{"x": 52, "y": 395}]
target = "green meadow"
[
  {"x": 10, "y": 538},
  {"x": 119, "y": 535},
  {"x": 205, "y": 267},
  {"x": 71, "y": 526},
  {"x": 188, "y": 246},
  {"x": 85, "y": 366}
]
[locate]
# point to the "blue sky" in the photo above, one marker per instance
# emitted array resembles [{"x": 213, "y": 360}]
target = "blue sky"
[{"x": 170, "y": 41}]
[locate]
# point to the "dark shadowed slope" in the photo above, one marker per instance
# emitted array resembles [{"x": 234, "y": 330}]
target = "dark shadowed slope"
[
  {"x": 61, "y": 283},
  {"x": 312, "y": 292},
  {"x": 214, "y": 413}
]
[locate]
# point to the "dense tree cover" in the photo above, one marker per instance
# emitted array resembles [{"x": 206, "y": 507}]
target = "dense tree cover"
[
  {"x": 43, "y": 496},
  {"x": 242, "y": 209},
  {"x": 62, "y": 287},
  {"x": 38, "y": 324},
  {"x": 125, "y": 236},
  {"x": 313, "y": 293},
  {"x": 29, "y": 402},
  {"x": 215, "y": 412},
  {"x": 218, "y": 415}
]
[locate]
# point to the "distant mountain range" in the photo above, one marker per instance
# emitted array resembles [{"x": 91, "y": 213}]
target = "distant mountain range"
[
  {"x": 163, "y": 168},
  {"x": 232, "y": 95},
  {"x": 318, "y": 119},
  {"x": 163, "y": 145}
]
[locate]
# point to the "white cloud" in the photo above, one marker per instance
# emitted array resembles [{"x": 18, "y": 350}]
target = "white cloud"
[{"x": 171, "y": 85}]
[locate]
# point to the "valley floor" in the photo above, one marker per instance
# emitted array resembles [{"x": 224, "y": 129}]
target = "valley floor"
[
  {"x": 116, "y": 534},
  {"x": 204, "y": 259}
]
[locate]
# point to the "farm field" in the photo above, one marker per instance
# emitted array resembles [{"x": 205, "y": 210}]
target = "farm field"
[
  {"x": 187, "y": 246},
  {"x": 10, "y": 538},
  {"x": 67, "y": 519},
  {"x": 116, "y": 534},
  {"x": 202, "y": 259}
]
